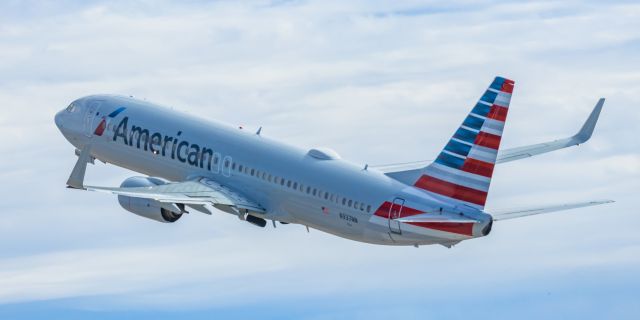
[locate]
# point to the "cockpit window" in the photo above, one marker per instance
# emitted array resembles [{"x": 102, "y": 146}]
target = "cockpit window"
[{"x": 71, "y": 107}]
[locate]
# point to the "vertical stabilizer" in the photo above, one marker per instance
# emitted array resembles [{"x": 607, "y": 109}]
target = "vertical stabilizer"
[{"x": 463, "y": 170}]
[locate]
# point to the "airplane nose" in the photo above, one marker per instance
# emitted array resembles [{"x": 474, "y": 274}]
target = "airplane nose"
[{"x": 58, "y": 119}]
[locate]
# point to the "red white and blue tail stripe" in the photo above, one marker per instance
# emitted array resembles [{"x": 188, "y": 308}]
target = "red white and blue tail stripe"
[{"x": 464, "y": 168}]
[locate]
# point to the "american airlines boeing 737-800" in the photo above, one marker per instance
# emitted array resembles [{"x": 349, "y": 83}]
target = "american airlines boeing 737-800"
[{"x": 195, "y": 164}]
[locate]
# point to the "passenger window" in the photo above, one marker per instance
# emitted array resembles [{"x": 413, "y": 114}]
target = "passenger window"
[
  {"x": 253, "y": 171},
  {"x": 368, "y": 208},
  {"x": 215, "y": 159},
  {"x": 350, "y": 202},
  {"x": 240, "y": 168},
  {"x": 355, "y": 205},
  {"x": 326, "y": 195},
  {"x": 269, "y": 177},
  {"x": 344, "y": 201},
  {"x": 282, "y": 181},
  {"x": 308, "y": 190},
  {"x": 314, "y": 191},
  {"x": 361, "y": 206},
  {"x": 226, "y": 163},
  {"x": 289, "y": 184},
  {"x": 295, "y": 185},
  {"x": 233, "y": 166}
]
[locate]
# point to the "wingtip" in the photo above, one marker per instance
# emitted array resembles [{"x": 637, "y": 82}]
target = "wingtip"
[
  {"x": 590, "y": 124},
  {"x": 603, "y": 201}
]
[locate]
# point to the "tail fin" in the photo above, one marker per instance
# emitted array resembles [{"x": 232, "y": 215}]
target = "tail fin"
[{"x": 464, "y": 168}]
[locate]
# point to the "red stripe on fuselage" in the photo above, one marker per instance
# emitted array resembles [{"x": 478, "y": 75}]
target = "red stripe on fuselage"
[
  {"x": 453, "y": 227},
  {"x": 478, "y": 167},
  {"x": 100, "y": 129},
  {"x": 452, "y": 190},
  {"x": 383, "y": 211},
  {"x": 487, "y": 140}
]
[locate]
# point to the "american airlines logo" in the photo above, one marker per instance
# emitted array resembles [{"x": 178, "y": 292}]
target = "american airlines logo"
[
  {"x": 103, "y": 124},
  {"x": 164, "y": 145}
]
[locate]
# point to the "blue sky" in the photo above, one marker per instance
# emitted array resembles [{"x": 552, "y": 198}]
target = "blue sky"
[{"x": 379, "y": 82}]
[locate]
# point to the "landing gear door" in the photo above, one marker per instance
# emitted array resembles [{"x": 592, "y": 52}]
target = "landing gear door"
[{"x": 395, "y": 212}]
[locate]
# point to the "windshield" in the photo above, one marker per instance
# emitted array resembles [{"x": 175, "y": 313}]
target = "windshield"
[{"x": 71, "y": 107}]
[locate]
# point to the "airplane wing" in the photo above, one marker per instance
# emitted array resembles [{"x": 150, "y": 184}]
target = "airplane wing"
[
  {"x": 499, "y": 215},
  {"x": 196, "y": 193},
  {"x": 581, "y": 137},
  {"x": 517, "y": 153},
  {"x": 201, "y": 191}
]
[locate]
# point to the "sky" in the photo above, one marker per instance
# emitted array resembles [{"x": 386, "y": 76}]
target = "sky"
[{"x": 377, "y": 81}]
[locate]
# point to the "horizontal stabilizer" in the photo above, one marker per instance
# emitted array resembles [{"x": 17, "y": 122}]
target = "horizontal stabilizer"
[{"x": 506, "y": 214}]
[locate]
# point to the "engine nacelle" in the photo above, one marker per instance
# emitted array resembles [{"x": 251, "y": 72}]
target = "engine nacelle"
[{"x": 147, "y": 208}]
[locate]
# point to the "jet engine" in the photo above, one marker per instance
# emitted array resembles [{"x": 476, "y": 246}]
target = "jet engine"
[{"x": 149, "y": 208}]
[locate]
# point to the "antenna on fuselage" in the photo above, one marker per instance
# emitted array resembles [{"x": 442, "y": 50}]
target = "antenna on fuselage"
[{"x": 259, "y": 130}]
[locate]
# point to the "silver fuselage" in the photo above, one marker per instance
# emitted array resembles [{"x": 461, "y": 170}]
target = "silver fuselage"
[{"x": 292, "y": 185}]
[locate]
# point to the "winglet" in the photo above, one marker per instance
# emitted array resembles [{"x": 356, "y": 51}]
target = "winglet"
[
  {"x": 76, "y": 179},
  {"x": 587, "y": 128}
]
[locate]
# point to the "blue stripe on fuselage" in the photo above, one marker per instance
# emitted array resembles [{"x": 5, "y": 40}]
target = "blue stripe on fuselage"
[{"x": 116, "y": 112}]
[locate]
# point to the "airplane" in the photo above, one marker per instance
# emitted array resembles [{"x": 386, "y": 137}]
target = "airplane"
[{"x": 190, "y": 163}]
